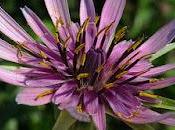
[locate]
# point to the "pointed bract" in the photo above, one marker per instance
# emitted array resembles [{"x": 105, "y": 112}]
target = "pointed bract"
[
  {"x": 58, "y": 11},
  {"x": 39, "y": 28}
]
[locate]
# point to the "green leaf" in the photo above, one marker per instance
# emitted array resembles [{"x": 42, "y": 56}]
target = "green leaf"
[
  {"x": 64, "y": 121},
  {"x": 8, "y": 65},
  {"x": 140, "y": 127},
  {"x": 163, "y": 51},
  {"x": 56, "y": 112},
  {"x": 164, "y": 103}
]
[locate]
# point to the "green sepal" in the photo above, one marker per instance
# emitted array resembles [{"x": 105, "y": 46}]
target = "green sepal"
[
  {"x": 164, "y": 103},
  {"x": 64, "y": 121}
]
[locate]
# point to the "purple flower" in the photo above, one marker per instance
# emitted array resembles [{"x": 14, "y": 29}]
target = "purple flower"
[{"x": 86, "y": 68}]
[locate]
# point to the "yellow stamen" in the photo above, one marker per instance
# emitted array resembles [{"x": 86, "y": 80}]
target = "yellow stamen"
[
  {"x": 97, "y": 18},
  {"x": 106, "y": 29},
  {"x": 119, "y": 114},
  {"x": 100, "y": 68},
  {"x": 120, "y": 34},
  {"x": 129, "y": 118},
  {"x": 43, "y": 55},
  {"x": 143, "y": 94},
  {"x": 153, "y": 80},
  {"x": 83, "y": 27},
  {"x": 83, "y": 59},
  {"x": 65, "y": 43},
  {"x": 79, "y": 108},
  {"x": 21, "y": 45},
  {"x": 109, "y": 85},
  {"x": 19, "y": 50},
  {"x": 82, "y": 76},
  {"x": 98, "y": 33},
  {"x": 57, "y": 38},
  {"x": 79, "y": 48},
  {"x": 85, "y": 24},
  {"x": 44, "y": 64},
  {"x": 59, "y": 22},
  {"x": 45, "y": 93},
  {"x": 124, "y": 65},
  {"x": 78, "y": 36},
  {"x": 136, "y": 44},
  {"x": 118, "y": 76}
]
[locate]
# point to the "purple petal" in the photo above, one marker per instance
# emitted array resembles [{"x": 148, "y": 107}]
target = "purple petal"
[
  {"x": 159, "y": 84},
  {"x": 100, "y": 118},
  {"x": 79, "y": 116},
  {"x": 71, "y": 32},
  {"x": 52, "y": 54},
  {"x": 118, "y": 107},
  {"x": 159, "y": 70},
  {"x": 45, "y": 80},
  {"x": 70, "y": 101},
  {"x": 39, "y": 28},
  {"x": 118, "y": 51},
  {"x": 149, "y": 116},
  {"x": 58, "y": 9},
  {"x": 112, "y": 12},
  {"x": 32, "y": 72},
  {"x": 87, "y": 9},
  {"x": 90, "y": 36},
  {"x": 31, "y": 61},
  {"x": 125, "y": 95},
  {"x": 11, "y": 77},
  {"x": 140, "y": 66},
  {"x": 8, "y": 52},
  {"x": 91, "y": 102},
  {"x": 148, "y": 100},
  {"x": 9, "y": 27},
  {"x": 138, "y": 79},
  {"x": 165, "y": 35},
  {"x": 125, "y": 104},
  {"x": 28, "y": 96},
  {"x": 63, "y": 94}
]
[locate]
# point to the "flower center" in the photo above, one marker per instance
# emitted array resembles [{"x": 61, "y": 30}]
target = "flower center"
[{"x": 90, "y": 72}]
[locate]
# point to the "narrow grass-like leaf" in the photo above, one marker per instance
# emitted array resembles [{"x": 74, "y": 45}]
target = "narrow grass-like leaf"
[
  {"x": 9, "y": 65},
  {"x": 164, "y": 103},
  {"x": 163, "y": 51}
]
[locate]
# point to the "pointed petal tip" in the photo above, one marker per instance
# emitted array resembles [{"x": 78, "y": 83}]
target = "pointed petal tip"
[
  {"x": 87, "y": 9},
  {"x": 58, "y": 9},
  {"x": 100, "y": 118},
  {"x": 161, "y": 38},
  {"x": 27, "y": 96},
  {"x": 38, "y": 27},
  {"x": 111, "y": 14}
]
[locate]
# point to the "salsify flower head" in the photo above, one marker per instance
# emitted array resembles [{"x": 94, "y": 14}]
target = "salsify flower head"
[{"x": 87, "y": 68}]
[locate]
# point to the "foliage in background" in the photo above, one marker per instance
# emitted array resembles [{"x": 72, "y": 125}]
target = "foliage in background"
[{"x": 141, "y": 17}]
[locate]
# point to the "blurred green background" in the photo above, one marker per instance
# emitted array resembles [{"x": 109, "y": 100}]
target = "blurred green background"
[{"x": 141, "y": 17}]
